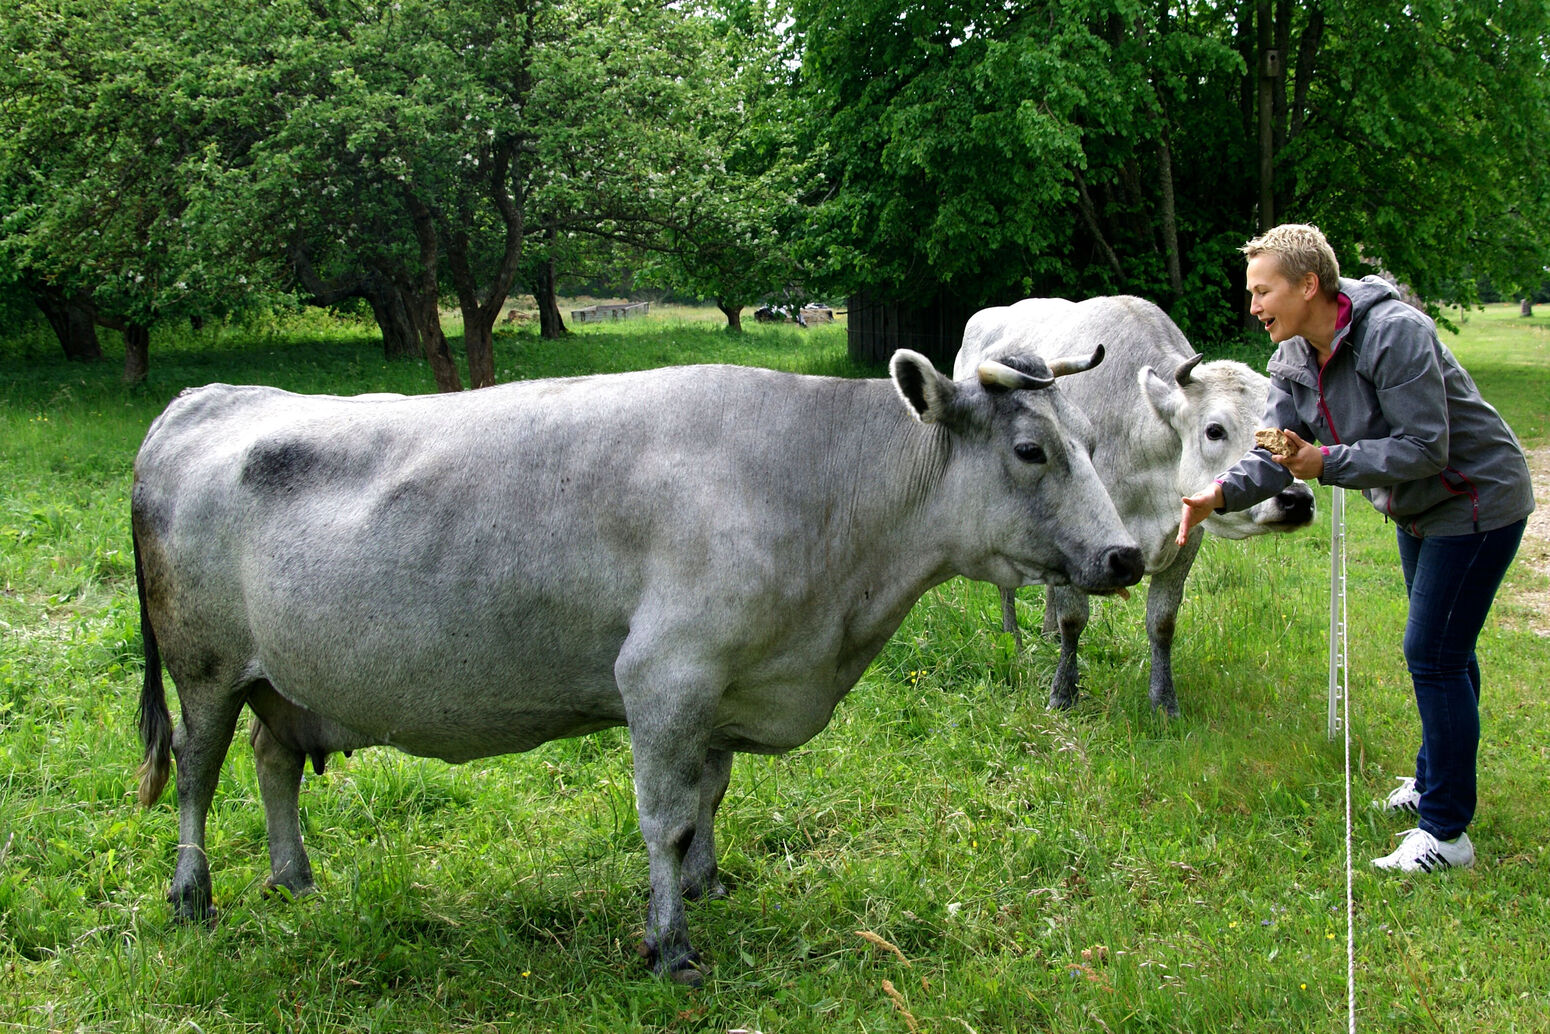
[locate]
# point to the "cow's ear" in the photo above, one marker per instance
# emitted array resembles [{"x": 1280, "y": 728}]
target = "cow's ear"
[
  {"x": 926, "y": 390},
  {"x": 1164, "y": 396}
]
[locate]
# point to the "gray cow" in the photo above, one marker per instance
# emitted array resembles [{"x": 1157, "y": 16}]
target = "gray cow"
[
  {"x": 709, "y": 555},
  {"x": 1166, "y": 424}
]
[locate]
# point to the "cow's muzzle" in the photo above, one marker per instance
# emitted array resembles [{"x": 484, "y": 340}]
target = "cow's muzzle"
[{"x": 1117, "y": 567}]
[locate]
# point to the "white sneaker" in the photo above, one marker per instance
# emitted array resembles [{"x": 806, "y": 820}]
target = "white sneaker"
[
  {"x": 1403, "y": 798},
  {"x": 1422, "y": 852}
]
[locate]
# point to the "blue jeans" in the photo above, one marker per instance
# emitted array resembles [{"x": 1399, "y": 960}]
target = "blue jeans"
[{"x": 1451, "y": 581}]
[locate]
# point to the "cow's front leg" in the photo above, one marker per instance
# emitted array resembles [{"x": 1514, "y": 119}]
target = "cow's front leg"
[
  {"x": 699, "y": 867},
  {"x": 1163, "y": 598},
  {"x": 668, "y": 763},
  {"x": 1072, "y": 610},
  {"x": 670, "y": 708}
]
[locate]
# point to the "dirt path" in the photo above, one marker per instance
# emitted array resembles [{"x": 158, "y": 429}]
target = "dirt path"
[{"x": 1535, "y": 551}]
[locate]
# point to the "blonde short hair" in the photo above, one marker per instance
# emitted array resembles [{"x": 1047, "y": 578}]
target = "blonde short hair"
[{"x": 1299, "y": 249}]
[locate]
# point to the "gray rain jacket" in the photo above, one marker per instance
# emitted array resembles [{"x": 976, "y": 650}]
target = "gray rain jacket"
[{"x": 1401, "y": 420}]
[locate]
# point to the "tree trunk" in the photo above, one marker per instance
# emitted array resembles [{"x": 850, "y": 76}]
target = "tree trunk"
[
  {"x": 137, "y": 352},
  {"x": 1090, "y": 217},
  {"x": 551, "y": 324},
  {"x": 424, "y": 297},
  {"x": 389, "y": 307},
  {"x": 733, "y": 311},
  {"x": 1269, "y": 70},
  {"x": 479, "y": 344},
  {"x": 481, "y": 306},
  {"x": 74, "y": 322},
  {"x": 1282, "y": 44},
  {"x": 1307, "y": 59},
  {"x": 1169, "y": 213},
  {"x": 400, "y": 336},
  {"x": 478, "y": 319},
  {"x": 427, "y": 315}
]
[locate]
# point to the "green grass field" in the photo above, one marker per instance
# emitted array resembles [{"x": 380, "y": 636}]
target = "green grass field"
[{"x": 1101, "y": 869}]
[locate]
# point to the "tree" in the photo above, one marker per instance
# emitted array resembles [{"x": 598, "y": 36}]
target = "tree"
[
  {"x": 453, "y": 136},
  {"x": 1066, "y": 147},
  {"x": 660, "y": 130},
  {"x": 182, "y": 158},
  {"x": 1417, "y": 143},
  {"x": 73, "y": 318},
  {"x": 989, "y": 150},
  {"x": 92, "y": 148},
  {"x": 345, "y": 133},
  {"x": 733, "y": 234}
]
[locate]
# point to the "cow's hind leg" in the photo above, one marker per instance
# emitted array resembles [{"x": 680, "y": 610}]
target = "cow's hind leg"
[
  {"x": 700, "y": 877},
  {"x": 1072, "y": 610},
  {"x": 199, "y": 747},
  {"x": 1009, "y": 617},
  {"x": 284, "y": 737},
  {"x": 279, "y": 784},
  {"x": 1163, "y": 597}
]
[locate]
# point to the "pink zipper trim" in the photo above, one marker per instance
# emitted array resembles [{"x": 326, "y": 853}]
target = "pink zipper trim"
[
  {"x": 1342, "y": 320},
  {"x": 1468, "y": 489}
]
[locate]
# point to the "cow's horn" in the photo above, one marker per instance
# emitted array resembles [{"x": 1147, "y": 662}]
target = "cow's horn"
[
  {"x": 999, "y": 375},
  {"x": 1061, "y": 367},
  {"x": 1181, "y": 375}
]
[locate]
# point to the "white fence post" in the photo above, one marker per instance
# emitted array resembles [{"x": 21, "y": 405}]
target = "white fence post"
[{"x": 1338, "y": 673}]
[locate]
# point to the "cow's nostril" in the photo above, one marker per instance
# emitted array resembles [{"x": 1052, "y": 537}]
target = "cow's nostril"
[
  {"x": 1296, "y": 505},
  {"x": 1125, "y": 565}
]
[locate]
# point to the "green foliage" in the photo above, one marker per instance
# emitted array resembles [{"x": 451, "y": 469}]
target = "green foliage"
[
  {"x": 102, "y": 122},
  {"x": 736, "y": 234},
  {"x": 190, "y": 158},
  {"x": 1423, "y": 149},
  {"x": 988, "y": 151},
  {"x": 1103, "y": 868}
]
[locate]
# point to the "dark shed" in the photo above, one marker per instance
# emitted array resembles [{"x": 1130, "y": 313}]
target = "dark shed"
[{"x": 880, "y": 324}]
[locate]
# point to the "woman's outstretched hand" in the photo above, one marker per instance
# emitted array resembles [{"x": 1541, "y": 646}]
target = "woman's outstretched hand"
[{"x": 1196, "y": 509}]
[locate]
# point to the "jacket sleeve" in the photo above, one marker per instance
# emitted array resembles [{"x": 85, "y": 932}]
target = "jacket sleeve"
[
  {"x": 1407, "y": 379},
  {"x": 1257, "y": 477}
]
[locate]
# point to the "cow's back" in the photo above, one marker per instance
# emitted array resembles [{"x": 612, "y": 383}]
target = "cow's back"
[{"x": 1133, "y": 332}]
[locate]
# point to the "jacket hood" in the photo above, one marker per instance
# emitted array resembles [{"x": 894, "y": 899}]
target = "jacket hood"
[
  {"x": 1365, "y": 293},
  {"x": 1295, "y": 358}
]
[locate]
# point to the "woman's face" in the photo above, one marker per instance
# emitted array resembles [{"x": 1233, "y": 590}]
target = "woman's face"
[{"x": 1282, "y": 306}]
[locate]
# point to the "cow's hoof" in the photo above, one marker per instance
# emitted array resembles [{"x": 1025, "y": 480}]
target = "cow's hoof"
[
  {"x": 686, "y": 970},
  {"x": 287, "y": 892},
  {"x": 187, "y": 914},
  {"x": 690, "y": 975},
  {"x": 1059, "y": 702},
  {"x": 715, "y": 891}
]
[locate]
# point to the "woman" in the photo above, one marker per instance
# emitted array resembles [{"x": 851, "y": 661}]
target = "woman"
[{"x": 1364, "y": 375}]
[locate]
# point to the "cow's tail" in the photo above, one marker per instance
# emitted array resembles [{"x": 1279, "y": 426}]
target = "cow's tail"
[{"x": 155, "y": 721}]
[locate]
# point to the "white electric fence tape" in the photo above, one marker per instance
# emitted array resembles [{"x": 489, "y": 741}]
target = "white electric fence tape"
[{"x": 1340, "y": 720}]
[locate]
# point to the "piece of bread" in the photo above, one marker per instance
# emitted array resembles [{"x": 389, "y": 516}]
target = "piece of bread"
[{"x": 1275, "y": 441}]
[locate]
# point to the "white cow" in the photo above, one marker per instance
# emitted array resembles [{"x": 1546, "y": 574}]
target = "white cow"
[
  {"x": 1166, "y": 423},
  {"x": 709, "y": 555}
]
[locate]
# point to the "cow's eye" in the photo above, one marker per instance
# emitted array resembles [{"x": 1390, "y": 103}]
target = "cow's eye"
[
  {"x": 1029, "y": 452},
  {"x": 1216, "y": 432}
]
